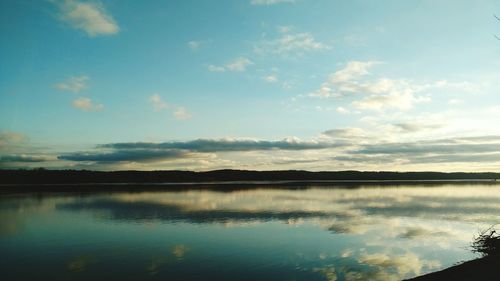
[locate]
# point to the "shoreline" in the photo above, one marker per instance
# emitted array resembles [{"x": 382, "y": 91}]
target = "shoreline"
[
  {"x": 228, "y": 185},
  {"x": 485, "y": 268},
  {"x": 228, "y": 177}
]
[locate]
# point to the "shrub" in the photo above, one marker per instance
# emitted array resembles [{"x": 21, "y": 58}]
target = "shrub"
[{"x": 487, "y": 243}]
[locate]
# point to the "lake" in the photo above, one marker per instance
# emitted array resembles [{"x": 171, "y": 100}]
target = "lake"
[{"x": 367, "y": 232}]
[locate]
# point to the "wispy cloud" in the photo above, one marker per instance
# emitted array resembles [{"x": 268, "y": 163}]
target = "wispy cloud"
[
  {"x": 434, "y": 147},
  {"x": 132, "y": 155},
  {"x": 16, "y": 151},
  {"x": 344, "y": 81},
  {"x": 347, "y": 148},
  {"x": 216, "y": 68},
  {"x": 86, "y": 104},
  {"x": 352, "y": 71},
  {"x": 13, "y": 143},
  {"x": 270, "y": 2},
  {"x": 194, "y": 45},
  {"x": 290, "y": 44},
  {"x": 375, "y": 94},
  {"x": 26, "y": 158},
  {"x": 157, "y": 102},
  {"x": 181, "y": 113},
  {"x": 346, "y": 133},
  {"x": 272, "y": 78},
  {"x": 237, "y": 65},
  {"x": 73, "y": 84},
  {"x": 226, "y": 144},
  {"x": 8, "y": 138},
  {"x": 342, "y": 110},
  {"x": 165, "y": 151},
  {"x": 403, "y": 265},
  {"x": 390, "y": 94},
  {"x": 90, "y": 17},
  {"x": 413, "y": 127},
  {"x": 472, "y": 150},
  {"x": 285, "y": 28}
]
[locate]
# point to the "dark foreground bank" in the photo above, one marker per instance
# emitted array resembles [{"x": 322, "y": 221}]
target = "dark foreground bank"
[{"x": 484, "y": 269}]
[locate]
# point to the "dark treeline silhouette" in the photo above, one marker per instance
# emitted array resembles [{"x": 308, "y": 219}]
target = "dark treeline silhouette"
[{"x": 43, "y": 176}]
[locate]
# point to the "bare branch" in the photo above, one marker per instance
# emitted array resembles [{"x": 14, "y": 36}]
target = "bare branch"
[{"x": 487, "y": 243}]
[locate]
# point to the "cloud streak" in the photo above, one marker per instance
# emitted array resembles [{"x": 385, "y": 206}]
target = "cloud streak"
[
  {"x": 224, "y": 145},
  {"x": 157, "y": 102},
  {"x": 290, "y": 44},
  {"x": 25, "y": 158},
  {"x": 194, "y": 45},
  {"x": 270, "y": 2},
  {"x": 239, "y": 64},
  {"x": 86, "y": 104},
  {"x": 349, "y": 148},
  {"x": 90, "y": 17},
  {"x": 146, "y": 151},
  {"x": 73, "y": 84},
  {"x": 9, "y": 138},
  {"x": 181, "y": 113},
  {"x": 132, "y": 155},
  {"x": 373, "y": 94}
]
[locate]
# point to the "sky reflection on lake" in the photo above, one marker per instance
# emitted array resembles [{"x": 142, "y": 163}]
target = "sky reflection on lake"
[{"x": 367, "y": 233}]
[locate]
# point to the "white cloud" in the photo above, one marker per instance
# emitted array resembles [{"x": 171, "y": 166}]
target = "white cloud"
[
  {"x": 194, "y": 45},
  {"x": 464, "y": 86},
  {"x": 285, "y": 28},
  {"x": 353, "y": 70},
  {"x": 455, "y": 101},
  {"x": 287, "y": 85},
  {"x": 386, "y": 94},
  {"x": 415, "y": 126},
  {"x": 325, "y": 91},
  {"x": 270, "y": 78},
  {"x": 371, "y": 94},
  {"x": 239, "y": 64},
  {"x": 328, "y": 272},
  {"x": 7, "y": 137},
  {"x": 12, "y": 142},
  {"x": 157, "y": 103},
  {"x": 86, "y": 104},
  {"x": 342, "y": 110},
  {"x": 346, "y": 133},
  {"x": 215, "y": 68},
  {"x": 290, "y": 43},
  {"x": 73, "y": 84},
  {"x": 236, "y": 65},
  {"x": 270, "y": 2},
  {"x": 88, "y": 16},
  {"x": 406, "y": 264},
  {"x": 181, "y": 113}
]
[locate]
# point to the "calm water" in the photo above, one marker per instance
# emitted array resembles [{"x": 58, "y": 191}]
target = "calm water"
[{"x": 367, "y": 233}]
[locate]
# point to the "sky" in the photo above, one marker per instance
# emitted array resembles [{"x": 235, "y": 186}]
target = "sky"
[{"x": 250, "y": 84}]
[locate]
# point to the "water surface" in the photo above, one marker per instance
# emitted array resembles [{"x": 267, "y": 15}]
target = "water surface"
[{"x": 318, "y": 233}]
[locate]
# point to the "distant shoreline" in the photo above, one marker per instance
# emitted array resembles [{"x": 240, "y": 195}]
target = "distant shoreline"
[
  {"x": 83, "y": 180},
  {"x": 174, "y": 176},
  {"x": 268, "y": 182}
]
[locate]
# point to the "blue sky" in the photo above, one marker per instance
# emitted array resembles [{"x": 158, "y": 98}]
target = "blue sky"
[{"x": 267, "y": 84}]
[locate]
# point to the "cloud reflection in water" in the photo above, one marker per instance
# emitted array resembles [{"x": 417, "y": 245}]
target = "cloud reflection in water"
[{"x": 367, "y": 233}]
